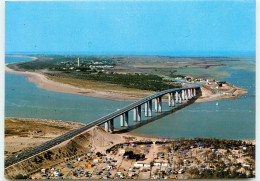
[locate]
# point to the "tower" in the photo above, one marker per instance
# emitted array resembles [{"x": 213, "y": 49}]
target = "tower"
[{"x": 78, "y": 61}]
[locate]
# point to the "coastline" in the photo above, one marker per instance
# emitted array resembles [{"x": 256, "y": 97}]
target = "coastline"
[
  {"x": 45, "y": 83},
  {"x": 19, "y": 55},
  {"x": 48, "y": 84},
  {"x": 24, "y": 133}
]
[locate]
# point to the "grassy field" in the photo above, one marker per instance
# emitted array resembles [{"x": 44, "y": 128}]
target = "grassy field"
[{"x": 99, "y": 85}]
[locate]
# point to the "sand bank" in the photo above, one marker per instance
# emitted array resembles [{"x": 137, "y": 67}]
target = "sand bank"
[{"x": 46, "y": 83}]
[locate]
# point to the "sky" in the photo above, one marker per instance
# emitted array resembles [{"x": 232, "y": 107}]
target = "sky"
[{"x": 145, "y": 28}]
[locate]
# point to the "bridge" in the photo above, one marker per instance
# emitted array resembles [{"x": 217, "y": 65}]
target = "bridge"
[{"x": 175, "y": 96}]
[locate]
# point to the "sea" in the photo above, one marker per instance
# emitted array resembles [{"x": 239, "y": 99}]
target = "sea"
[{"x": 227, "y": 119}]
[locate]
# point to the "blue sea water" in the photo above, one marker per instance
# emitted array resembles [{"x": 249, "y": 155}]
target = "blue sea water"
[
  {"x": 25, "y": 99},
  {"x": 231, "y": 119}
]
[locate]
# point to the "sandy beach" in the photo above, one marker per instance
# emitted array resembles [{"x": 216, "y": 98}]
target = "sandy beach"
[{"x": 46, "y": 83}]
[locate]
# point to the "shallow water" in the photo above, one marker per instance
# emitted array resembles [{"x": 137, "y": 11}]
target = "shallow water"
[{"x": 232, "y": 119}]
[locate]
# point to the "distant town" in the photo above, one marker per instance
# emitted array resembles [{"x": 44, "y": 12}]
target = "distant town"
[{"x": 91, "y": 66}]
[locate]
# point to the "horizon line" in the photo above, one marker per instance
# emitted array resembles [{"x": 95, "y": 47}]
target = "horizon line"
[{"x": 171, "y": 54}]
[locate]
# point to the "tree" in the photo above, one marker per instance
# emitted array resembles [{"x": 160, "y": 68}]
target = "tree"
[
  {"x": 194, "y": 172},
  {"x": 151, "y": 167},
  {"x": 20, "y": 176}
]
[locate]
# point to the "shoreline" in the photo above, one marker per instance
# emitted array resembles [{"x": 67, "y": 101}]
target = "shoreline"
[
  {"x": 19, "y": 55},
  {"x": 32, "y": 132},
  {"x": 47, "y": 84},
  {"x": 79, "y": 124},
  {"x": 43, "y": 82}
]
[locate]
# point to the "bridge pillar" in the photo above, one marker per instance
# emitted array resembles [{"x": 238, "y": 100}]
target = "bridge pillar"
[
  {"x": 176, "y": 97},
  {"x": 173, "y": 99},
  {"x": 180, "y": 99},
  {"x": 135, "y": 114},
  {"x": 182, "y": 94},
  {"x": 150, "y": 109},
  {"x": 126, "y": 119},
  {"x": 160, "y": 104},
  {"x": 156, "y": 104},
  {"x": 169, "y": 99},
  {"x": 194, "y": 92},
  {"x": 146, "y": 109},
  {"x": 111, "y": 125},
  {"x": 106, "y": 126},
  {"x": 186, "y": 94},
  {"x": 122, "y": 120},
  {"x": 139, "y": 113},
  {"x": 189, "y": 94}
]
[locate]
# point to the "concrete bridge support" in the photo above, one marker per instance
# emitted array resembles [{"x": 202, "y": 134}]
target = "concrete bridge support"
[
  {"x": 160, "y": 104},
  {"x": 189, "y": 94},
  {"x": 186, "y": 94},
  {"x": 139, "y": 113},
  {"x": 146, "y": 109},
  {"x": 182, "y": 94},
  {"x": 150, "y": 109},
  {"x": 156, "y": 104},
  {"x": 106, "y": 126},
  {"x": 180, "y": 99},
  {"x": 135, "y": 114},
  {"x": 194, "y": 90},
  {"x": 176, "y": 97},
  {"x": 122, "y": 120},
  {"x": 170, "y": 99},
  {"x": 126, "y": 119},
  {"x": 173, "y": 99},
  {"x": 111, "y": 125}
]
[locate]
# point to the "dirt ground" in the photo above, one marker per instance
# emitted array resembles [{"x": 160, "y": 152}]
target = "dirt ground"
[{"x": 25, "y": 133}]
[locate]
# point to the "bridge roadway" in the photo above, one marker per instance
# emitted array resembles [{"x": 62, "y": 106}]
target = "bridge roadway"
[{"x": 49, "y": 144}]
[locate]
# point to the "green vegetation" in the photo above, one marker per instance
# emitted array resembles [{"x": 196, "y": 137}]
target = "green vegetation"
[
  {"x": 220, "y": 172},
  {"x": 137, "y": 81},
  {"x": 20, "y": 176},
  {"x": 56, "y": 62}
]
